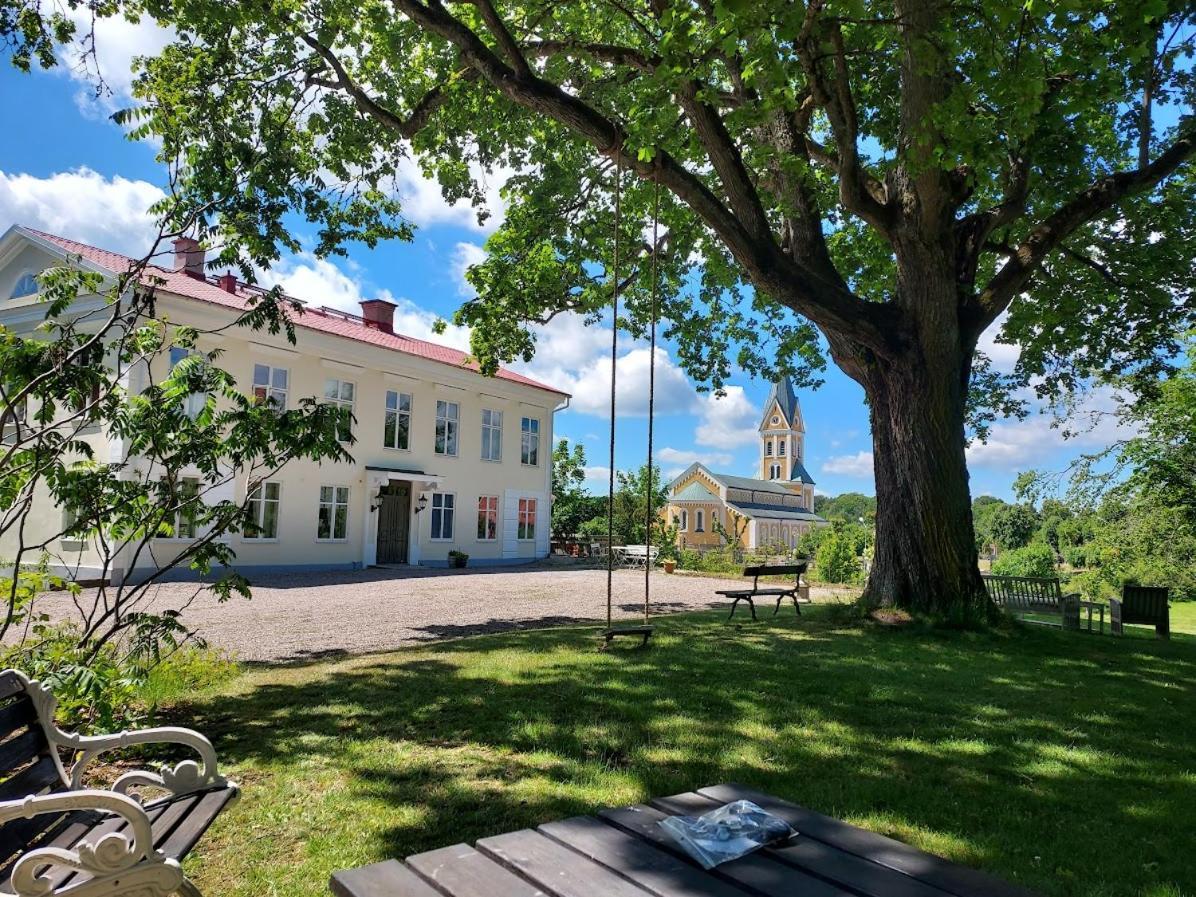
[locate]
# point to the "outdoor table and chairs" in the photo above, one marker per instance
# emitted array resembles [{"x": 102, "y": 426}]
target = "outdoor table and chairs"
[{"x": 625, "y": 852}]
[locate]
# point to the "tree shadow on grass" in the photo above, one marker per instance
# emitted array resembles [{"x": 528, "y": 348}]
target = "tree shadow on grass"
[{"x": 1026, "y": 752}]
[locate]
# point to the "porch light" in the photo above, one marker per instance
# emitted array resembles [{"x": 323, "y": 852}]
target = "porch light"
[
  {"x": 422, "y": 503},
  {"x": 376, "y": 501}
]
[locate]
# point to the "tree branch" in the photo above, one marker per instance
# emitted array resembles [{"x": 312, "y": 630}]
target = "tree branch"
[{"x": 1091, "y": 202}]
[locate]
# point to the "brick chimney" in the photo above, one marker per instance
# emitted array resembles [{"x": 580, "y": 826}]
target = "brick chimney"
[
  {"x": 189, "y": 257},
  {"x": 227, "y": 282},
  {"x": 379, "y": 314}
]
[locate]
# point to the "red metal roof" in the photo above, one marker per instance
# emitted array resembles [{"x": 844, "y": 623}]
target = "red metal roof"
[{"x": 325, "y": 320}]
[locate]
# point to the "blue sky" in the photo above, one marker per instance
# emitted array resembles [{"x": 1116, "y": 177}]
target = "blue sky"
[{"x": 75, "y": 174}]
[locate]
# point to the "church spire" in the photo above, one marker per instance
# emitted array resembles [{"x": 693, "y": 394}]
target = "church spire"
[{"x": 782, "y": 435}]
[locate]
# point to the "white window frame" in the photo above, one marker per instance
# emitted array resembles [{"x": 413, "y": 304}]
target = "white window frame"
[
  {"x": 452, "y": 428},
  {"x": 259, "y": 512},
  {"x": 194, "y": 402},
  {"x": 269, "y": 392},
  {"x": 13, "y": 296},
  {"x": 442, "y": 503},
  {"x": 525, "y": 520},
  {"x": 333, "y": 504},
  {"x": 529, "y": 441},
  {"x": 489, "y": 513},
  {"x": 491, "y": 435},
  {"x": 398, "y": 413},
  {"x": 338, "y": 400},
  {"x": 191, "y": 526}
]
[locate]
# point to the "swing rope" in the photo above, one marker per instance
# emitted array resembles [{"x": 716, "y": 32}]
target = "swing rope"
[
  {"x": 614, "y": 357},
  {"x": 651, "y": 387}
]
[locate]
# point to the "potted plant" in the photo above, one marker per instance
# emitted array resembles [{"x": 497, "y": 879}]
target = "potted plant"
[
  {"x": 457, "y": 559},
  {"x": 669, "y": 565}
]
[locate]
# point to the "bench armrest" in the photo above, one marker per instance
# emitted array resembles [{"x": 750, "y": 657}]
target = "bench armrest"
[
  {"x": 182, "y": 778},
  {"x": 110, "y": 853}
]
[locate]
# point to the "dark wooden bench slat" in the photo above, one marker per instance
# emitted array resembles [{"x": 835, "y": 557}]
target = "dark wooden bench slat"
[
  {"x": 33, "y": 779},
  {"x": 10, "y": 684},
  {"x": 462, "y": 870},
  {"x": 926, "y": 867},
  {"x": 390, "y": 878},
  {"x": 754, "y": 872},
  {"x": 862, "y": 876},
  {"x": 16, "y": 714},
  {"x": 659, "y": 871},
  {"x": 22, "y": 747},
  {"x": 554, "y": 868},
  {"x": 185, "y": 834}
]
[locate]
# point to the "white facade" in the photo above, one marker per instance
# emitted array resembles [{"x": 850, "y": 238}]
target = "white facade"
[{"x": 482, "y": 495}]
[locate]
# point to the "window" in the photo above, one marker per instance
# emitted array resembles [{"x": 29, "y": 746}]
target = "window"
[
  {"x": 442, "y": 515},
  {"x": 339, "y": 393},
  {"x": 781, "y": 448},
  {"x": 774, "y": 472},
  {"x": 768, "y": 447},
  {"x": 195, "y": 401},
  {"x": 26, "y": 285},
  {"x": 699, "y": 521},
  {"x": 684, "y": 521},
  {"x": 396, "y": 433},
  {"x": 527, "y": 520},
  {"x": 448, "y": 419},
  {"x": 529, "y": 442},
  {"x": 262, "y": 507},
  {"x": 488, "y": 518},
  {"x": 333, "y": 521},
  {"x": 713, "y": 518},
  {"x": 184, "y": 500},
  {"x": 491, "y": 435},
  {"x": 270, "y": 385}
]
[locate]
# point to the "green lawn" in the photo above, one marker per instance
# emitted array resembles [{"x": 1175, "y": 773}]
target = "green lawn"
[{"x": 1062, "y": 761}]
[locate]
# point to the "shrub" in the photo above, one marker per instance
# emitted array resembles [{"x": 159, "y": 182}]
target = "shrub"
[
  {"x": 836, "y": 559},
  {"x": 688, "y": 559},
  {"x": 1035, "y": 559},
  {"x": 719, "y": 561}
]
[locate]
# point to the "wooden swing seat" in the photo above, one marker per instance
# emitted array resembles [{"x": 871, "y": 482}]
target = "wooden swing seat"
[{"x": 608, "y": 635}]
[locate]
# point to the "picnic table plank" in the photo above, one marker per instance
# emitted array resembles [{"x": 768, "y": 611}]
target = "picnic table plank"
[
  {"x": 756, "y": 872},
  {"x": 651, "y": 867},
  {"x": 926, "y": 867},
  {"x": 390, "y": 878},
  {"x": 461, "y": 870},
  {"x": 554, "y": 868},
  {"x": 862, "y": 876}
]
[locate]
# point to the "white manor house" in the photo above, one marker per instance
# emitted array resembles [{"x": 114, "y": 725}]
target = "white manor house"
[{"x": 444, "y": 459}]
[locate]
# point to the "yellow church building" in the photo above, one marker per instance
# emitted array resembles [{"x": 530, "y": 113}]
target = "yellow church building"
[{"x": 713, "y": 509}]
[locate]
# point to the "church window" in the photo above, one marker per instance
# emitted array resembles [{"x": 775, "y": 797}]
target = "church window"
[
  {"x": 781, "y": 448},
  {"x": 768, "y": 447},
  {"x": 699, "y": 521}
]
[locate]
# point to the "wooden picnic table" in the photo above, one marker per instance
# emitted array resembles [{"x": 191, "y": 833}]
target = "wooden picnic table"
[{"x": 624, "y": 853}]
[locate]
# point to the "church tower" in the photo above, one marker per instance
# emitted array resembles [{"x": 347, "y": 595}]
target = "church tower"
[{"x": 783, "y": 441}]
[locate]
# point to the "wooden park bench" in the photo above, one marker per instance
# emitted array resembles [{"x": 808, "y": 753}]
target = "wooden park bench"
[
  {"x": 1141, "y": 604},
  {"x": 798, "y": 592},
  {"x": 1022, "y": 595},
  {"x": 59, "y": 838}
]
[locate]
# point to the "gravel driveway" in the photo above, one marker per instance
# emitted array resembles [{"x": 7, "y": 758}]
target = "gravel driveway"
[{"x": 301, "y": 616}]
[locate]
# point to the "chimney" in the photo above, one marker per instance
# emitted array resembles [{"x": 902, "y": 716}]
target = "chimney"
[
  {"x": 189, "y": 257},
  {"x": 227, "y": 282},
  {"x": 379, "y": 314}
]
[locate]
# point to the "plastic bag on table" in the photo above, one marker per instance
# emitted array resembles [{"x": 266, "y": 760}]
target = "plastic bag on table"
[{"x": 731, "y": 831}]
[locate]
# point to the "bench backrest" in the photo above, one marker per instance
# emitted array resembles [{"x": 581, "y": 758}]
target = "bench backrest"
[
  {"x": 1144, "y": 604},
  {"x": 1023, "y": 591},
  {"x": 795, "y": 570},
  {"x": 28, "y": 764}
]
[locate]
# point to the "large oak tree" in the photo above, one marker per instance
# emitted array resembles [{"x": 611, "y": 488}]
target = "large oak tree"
[{"x": 880, "y": 181}]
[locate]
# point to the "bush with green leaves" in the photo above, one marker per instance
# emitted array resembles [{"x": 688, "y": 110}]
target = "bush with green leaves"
[
  {"x": 836, "y": 560},
  {"x": 1036, "y": 559}
]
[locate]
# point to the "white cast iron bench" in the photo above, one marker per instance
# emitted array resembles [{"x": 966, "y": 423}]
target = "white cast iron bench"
[{"x": 58, "y": 838}]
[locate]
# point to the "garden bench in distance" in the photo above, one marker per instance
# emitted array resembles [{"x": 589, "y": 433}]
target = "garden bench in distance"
[
  {"x": 59, "y": 838},
  {"x": 1033, "y": 595},
  {"x": 797, "y": 592},
  {"x": 1141, "y": 604},
  {"x": 624, "y": 853}
]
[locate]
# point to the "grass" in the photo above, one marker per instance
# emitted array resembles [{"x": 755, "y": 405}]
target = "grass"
[{"x": 1061, "y": 761}]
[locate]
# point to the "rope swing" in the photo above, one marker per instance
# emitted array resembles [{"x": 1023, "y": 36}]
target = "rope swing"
[{"x": 645, "y": 631}]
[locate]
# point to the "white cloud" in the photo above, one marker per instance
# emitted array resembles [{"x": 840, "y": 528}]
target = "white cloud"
[
  {"x": 727, "y": 421},
  {"x": 320, "y": 282},
  {"x": 1016, "y": 444},
  {"x": 117, "y": 43},
  {"x": 597, "y": 477},
  {"x": 423, "y": 201},
  {"x": 465, "y": 255},
  {"x": 1004, "y": 355},
  {"x": 83, "y": 205},
  {"x": 674, "y": 461},
  {"x": 858, "y": 465}
]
